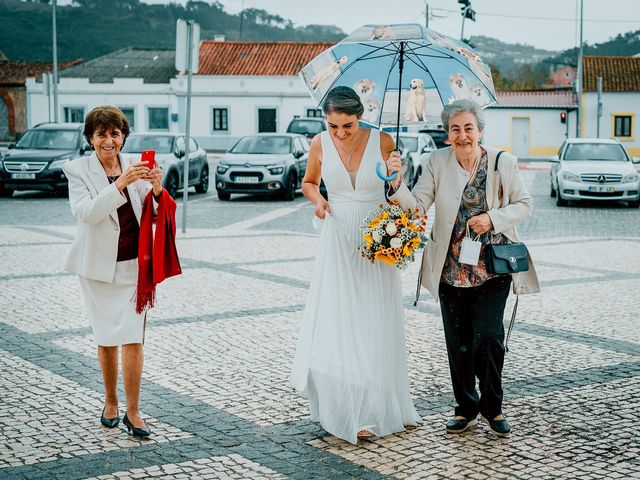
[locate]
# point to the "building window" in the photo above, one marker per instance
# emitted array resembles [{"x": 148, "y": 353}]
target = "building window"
[
  {"x": 220, "y": 120},
  {"x": 266, "y": 120},
  {"x": 622, "y": 125},
  {"x": 73, "y": 114},
  {"x": 129, "y": 112},
  {"x": 158, "y": 118},
  {"x": 314, "y": 112}
]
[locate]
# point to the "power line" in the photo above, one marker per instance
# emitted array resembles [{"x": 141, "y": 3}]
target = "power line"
[{"x": 544, "y": 18}]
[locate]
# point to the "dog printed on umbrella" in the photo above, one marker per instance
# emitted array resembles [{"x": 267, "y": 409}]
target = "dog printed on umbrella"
[
  {"x": 365, "y": 88},
  {"x": 327, "y": 72},
  {"x": 416, "y": 105}
]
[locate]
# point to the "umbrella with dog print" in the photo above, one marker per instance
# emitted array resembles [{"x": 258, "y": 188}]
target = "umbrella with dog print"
[{"x": 404, "y": 74}]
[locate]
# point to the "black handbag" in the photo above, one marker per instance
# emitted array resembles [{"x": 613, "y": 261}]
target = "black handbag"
[{"x": 507, "y": 258}]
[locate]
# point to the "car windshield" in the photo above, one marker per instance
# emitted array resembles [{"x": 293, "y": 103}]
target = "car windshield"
[
  {"x": 595, "y": 151},
  {"x": 265, "y": 145},
  {"x": 411, "y": 143},
  {"x": 49, "y": 139},
  {"x": 305, "y": 127},
  {"x": 138, "y": 143}
]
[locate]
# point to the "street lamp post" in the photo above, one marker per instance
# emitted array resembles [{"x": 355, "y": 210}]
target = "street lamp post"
[
  {"x": 55, "y": 64},
  {"x": 580, "y": 79}
]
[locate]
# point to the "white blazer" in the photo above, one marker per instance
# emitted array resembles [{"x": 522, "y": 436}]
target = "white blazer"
[
  {"x": 94, "y": 203},
  {"x": 442, "y": 184}
]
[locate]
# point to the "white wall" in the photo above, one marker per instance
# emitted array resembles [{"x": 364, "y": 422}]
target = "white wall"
[
  {"x": 124, "y": 92},
  {"x": 242, "y": 96},
  {"x": 546, "y": 132},
  {"x": 612, "y": 103}
]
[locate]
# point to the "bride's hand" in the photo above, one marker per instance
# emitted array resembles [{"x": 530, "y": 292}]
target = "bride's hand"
[{"x": 322, "y": 208}]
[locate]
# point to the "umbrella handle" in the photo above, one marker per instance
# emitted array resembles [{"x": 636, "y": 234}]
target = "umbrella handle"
[{"x": 382, "y": 176}]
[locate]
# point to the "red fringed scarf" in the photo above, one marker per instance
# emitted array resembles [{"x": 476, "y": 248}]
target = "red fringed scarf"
[{"x": 157, "y": 257}]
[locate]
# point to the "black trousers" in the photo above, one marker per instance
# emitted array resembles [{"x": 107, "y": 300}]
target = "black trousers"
[{"x": 474, "y": 334}]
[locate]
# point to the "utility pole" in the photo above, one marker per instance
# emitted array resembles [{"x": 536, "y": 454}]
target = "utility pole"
[
  {"x": 241, "y": 18},
  {"x": 599, "y": 113},
  {"x": 467, "y": 12},
  {"x": 426, "y": 13},
  {"x": 55, "y": 64},
  {"x": 580, "y": 79}
]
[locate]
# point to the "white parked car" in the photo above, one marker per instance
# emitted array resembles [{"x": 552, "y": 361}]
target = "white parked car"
[
  {"x": 419, "y": 146},
  {"x": 594, "y": 169}
]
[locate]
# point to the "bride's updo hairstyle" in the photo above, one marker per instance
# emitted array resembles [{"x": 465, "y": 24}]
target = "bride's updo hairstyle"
[{"x": 342, "y": 100}]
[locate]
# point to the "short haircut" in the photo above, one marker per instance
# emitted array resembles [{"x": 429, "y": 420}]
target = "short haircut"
[
  {"x": 107, "y": 118},
  {"x": 342, "y": 100},
  {"x": 462, "y": 106}
]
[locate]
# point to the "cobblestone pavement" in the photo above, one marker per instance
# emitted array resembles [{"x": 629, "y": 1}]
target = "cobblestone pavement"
[{"x": 220, "y": 344}]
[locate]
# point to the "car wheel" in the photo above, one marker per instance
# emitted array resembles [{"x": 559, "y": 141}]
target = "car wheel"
[
  {"x": 553, "y": 192},
  {"x": 290, "y": 189},
  {"x": 203, "y": 186},
  {"x": 172, "y": 184},
  {"x": 560, "y": 202},
  {"x": 634, "y": 204},
  {"x": 5, "y": 192},
  {"x": 223, "y": 196}
]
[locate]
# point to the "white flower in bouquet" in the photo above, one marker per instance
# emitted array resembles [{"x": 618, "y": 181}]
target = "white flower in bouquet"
[
  {"x": 391, "y": 229},
  {"x": 395, "y": 242},
  {"x": 377, "y": 235}
]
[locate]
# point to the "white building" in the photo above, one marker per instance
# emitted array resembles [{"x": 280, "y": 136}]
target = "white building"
[
  {"x": 620, "y": 100},
  {"x": 531, "y": 124}
]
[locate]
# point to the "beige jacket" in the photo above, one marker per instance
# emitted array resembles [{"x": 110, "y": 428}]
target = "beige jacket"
[
  {"x": 442, "y": 184},
  {"x": 94, "y": 203}
]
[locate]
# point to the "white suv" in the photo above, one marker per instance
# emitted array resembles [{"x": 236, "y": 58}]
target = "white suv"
[
  {"x": 594, "y": 169},
  {"x": 419, "y": 145}
]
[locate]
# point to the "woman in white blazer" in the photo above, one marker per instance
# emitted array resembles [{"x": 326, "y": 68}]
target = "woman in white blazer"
[
  {"x": 106, "y": 193},
  {"x": 467, "y": 191}
]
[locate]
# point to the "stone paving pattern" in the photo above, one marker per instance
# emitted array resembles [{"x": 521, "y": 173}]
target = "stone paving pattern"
[{"x": 220, "y": 344}]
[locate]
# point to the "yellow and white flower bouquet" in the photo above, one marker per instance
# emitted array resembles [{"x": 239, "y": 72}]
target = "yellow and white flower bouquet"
[{"x": 392, "y": 236}]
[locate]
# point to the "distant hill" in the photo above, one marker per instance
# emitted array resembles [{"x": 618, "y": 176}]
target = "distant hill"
[
  {"x": 508, "y": 56},
  {"x": 91, "y": 28}
]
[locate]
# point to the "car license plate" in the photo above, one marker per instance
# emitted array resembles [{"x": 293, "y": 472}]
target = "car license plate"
[
  {"x": 23, "y": 176},
  {"x": 247, "y": 180},
  {"x": 599, "y": 188}
]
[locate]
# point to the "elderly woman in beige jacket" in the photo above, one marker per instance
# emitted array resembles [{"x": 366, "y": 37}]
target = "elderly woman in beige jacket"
[{"x": 467, "y": 190}]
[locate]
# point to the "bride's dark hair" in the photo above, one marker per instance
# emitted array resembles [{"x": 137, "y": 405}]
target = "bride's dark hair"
[{"x": 342, "y": 100}]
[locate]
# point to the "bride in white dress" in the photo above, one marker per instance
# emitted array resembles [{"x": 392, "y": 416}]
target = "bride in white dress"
[{"x": 350, "y": 360}]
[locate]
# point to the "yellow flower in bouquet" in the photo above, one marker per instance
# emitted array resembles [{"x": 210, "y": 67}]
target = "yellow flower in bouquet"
[{"x": 392, "y": 236}]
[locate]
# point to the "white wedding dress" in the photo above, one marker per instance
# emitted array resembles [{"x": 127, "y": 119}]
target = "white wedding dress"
[{"x": 351, "y": 356}]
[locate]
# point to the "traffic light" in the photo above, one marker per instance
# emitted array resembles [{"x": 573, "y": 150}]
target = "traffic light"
[
  {"x": 470, "y": 14},
  {"x": 464, "y": 3},
  {"x": 563, "y": 117}
]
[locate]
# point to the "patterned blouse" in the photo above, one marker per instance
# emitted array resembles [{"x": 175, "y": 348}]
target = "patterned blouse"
[{"x": 474, "y": 202}]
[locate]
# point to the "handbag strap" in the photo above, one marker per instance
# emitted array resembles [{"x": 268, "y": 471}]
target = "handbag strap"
[
  {"x": 513, "y": 320},
  {"x": 495, "y": 167}
]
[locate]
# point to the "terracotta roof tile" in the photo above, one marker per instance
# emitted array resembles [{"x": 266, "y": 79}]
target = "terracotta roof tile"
[
  {"x": 552, "y": 99},
  {"x": 619, "y": 74},
  {"x": 15, "y": 73},
  {"x": 257, "y": 58}
]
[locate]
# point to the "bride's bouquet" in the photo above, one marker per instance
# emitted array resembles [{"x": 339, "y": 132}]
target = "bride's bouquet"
[{"x": 392, "y": 235}]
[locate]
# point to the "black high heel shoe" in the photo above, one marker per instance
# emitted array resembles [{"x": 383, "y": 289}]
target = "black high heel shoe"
[
  {"x": 109, "y": 422},
  {"x": 135, "y": 431}
]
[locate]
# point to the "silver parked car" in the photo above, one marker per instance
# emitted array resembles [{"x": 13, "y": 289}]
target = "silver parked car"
[
  {"x": 594, "y": 169},
  {"x": 263, "y": 163},
  {"x": 420, "y": 145},
  {"x": 170, "y": 153}
]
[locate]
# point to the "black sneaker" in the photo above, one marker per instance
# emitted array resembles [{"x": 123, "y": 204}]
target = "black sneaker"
[
  {"x": 501, "y": 428},
  {"x": 459, "y": 425}
]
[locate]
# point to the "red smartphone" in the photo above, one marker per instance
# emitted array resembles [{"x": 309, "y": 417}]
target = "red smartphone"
[{"x": 149, "y": 156}]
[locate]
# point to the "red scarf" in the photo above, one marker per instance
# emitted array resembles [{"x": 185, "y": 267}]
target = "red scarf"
[{"x": 157, "y": 257}]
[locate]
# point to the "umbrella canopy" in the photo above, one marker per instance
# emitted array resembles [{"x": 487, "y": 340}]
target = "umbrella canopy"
[{"x": 403, "y": 73}]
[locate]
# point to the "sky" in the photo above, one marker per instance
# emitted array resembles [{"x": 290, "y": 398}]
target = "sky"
[{"x": 547, "y": 24}]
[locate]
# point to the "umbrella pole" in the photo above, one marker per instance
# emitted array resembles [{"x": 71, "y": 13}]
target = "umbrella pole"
[{"x": 400, "y": 67}]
